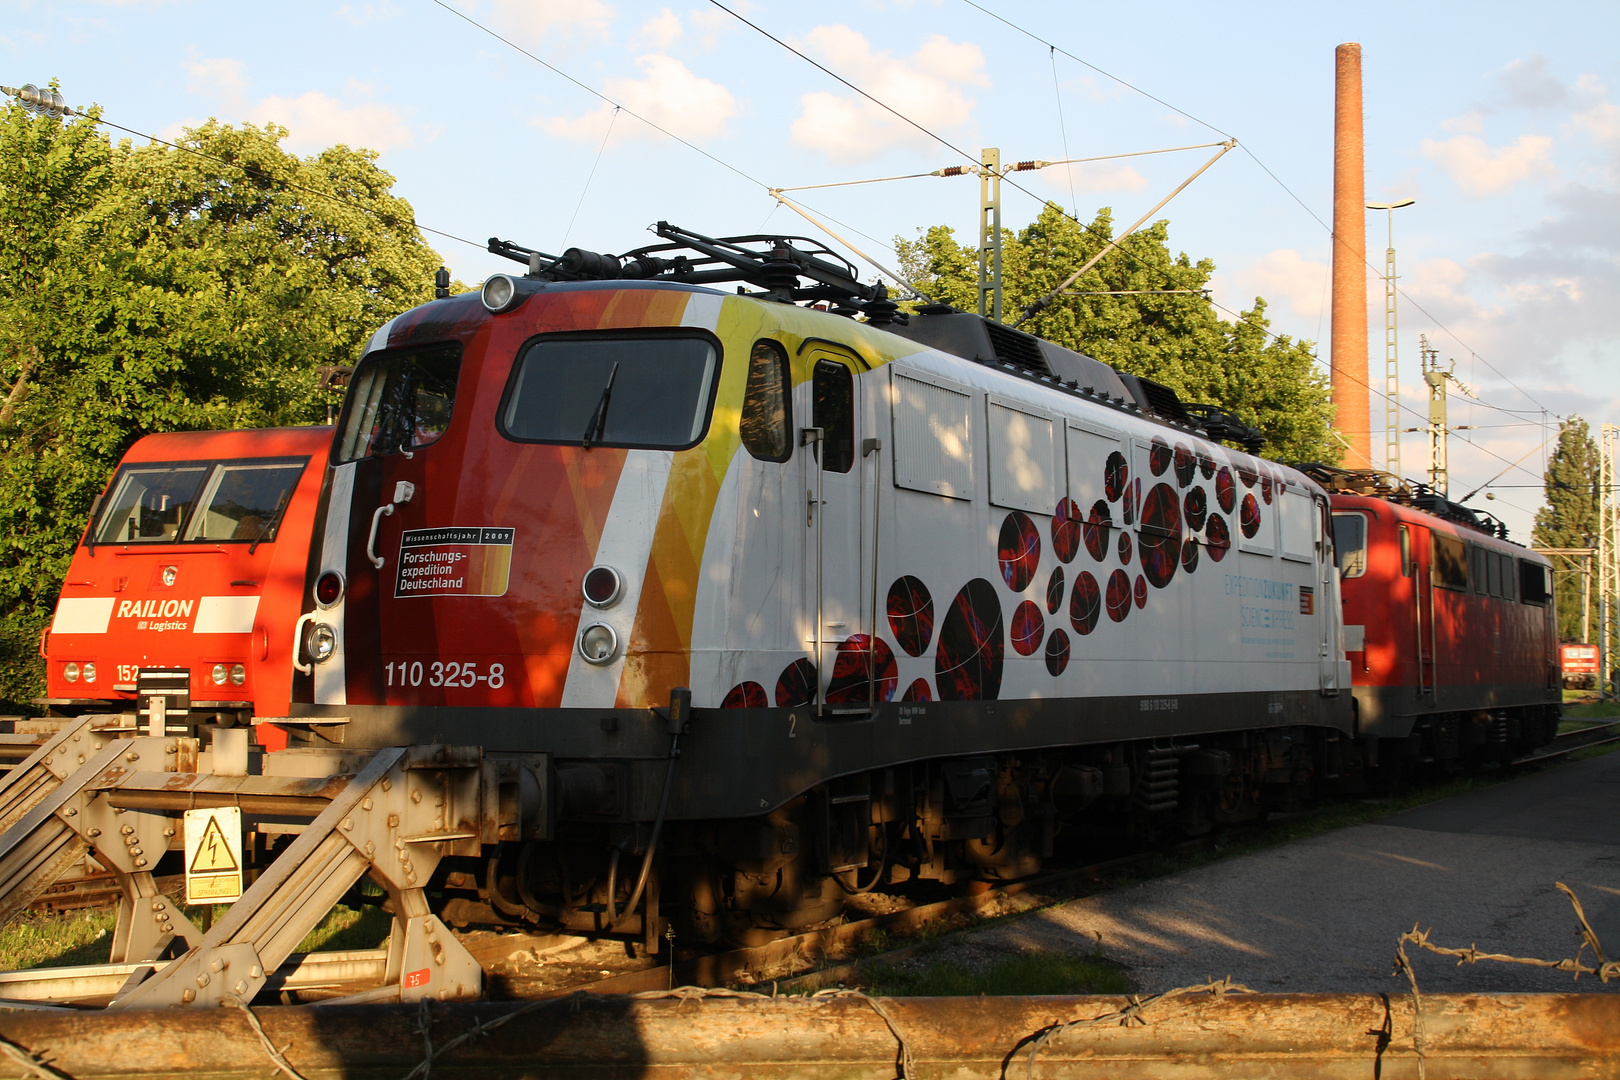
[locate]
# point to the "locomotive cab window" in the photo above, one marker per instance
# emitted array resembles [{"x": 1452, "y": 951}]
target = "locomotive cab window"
[
  {"x": 198, "y": 501},
  {"x": 1350, "y": 544},
  {"x": 398, "y": 401},
  {"x": 765, "y": 424},
  {"x": 641, "y": 391},
  {"x": 1448, "y": 561},
  {"x": 149, "y": 504},
  {"x": 244, "y": 502},
  {"x": 1533, "y": 587},
  {"x": 834, "y": 413},
  {"x": 1406, "y": 552}
]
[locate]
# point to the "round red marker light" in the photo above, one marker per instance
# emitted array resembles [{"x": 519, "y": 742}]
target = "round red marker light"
[
  {"x": 329, "y": 588},
  {"x": 602, "y": 586}
]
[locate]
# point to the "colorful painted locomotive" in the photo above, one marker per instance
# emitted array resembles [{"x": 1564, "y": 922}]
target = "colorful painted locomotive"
[
  {"x": 193, "y": 566},
  {"x": 933, "y": 585},
  {"x": 754, "y": 605},
  {"x": 1450, "y": 628}
]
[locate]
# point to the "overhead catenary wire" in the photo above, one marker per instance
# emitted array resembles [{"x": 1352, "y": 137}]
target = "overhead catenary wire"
[
  {"x": 944, "y": 142},
  {"x": 1053, "y": 48}
]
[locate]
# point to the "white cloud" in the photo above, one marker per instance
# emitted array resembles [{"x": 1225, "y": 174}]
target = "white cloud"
[
  {"x": 1529, "y": 85},
  {"x": 669, "y": 95},
  {"x": 1601, "y": 121},
  {"x": 927, "y": 88},
  {"x": 218, "y": 76},
  {"x": 659, "y": 32},
  {"x": 553, "y": 22},
  {"x": 1481, "y": 170},
  {"x": 315, "y": 121},
  {"x": 1469, "y": 123},
  {"x": 1285, "y": 277}
]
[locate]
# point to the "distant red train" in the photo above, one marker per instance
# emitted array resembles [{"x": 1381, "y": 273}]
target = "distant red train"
[
  {"x": 1581, "y": 665},
  {"x": 1449, "y": 627},
  {"x": 193, "y": 565}
]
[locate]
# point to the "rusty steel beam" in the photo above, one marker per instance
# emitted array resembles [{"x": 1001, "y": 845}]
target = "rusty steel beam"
[{"x": 1279, "y": 1036}]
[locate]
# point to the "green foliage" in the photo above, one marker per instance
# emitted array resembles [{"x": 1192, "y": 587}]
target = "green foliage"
[
  {"x": 147, "y": 289},
  {"x": 1570, "y": 519},
  {"x": 1172, "y": 338}
]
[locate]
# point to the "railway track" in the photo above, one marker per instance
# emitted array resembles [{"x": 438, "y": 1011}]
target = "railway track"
[
  {"x": 1567, "y": 742},
  {"x": 802, "y": 961}
]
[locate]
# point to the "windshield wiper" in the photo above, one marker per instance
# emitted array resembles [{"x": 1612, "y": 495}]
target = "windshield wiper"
[
  {"x": 598, "y": 424},
  {"x": 269, "y": 530}
]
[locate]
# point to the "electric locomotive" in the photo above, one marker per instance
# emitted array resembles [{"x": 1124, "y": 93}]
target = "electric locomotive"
[
  {"x": 762, "y": 604},
  {"x": 187, "y": 583},
  {"x": 1450, "y": 628}
]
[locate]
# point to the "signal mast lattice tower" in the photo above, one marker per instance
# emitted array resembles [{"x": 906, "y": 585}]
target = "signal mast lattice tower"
[{"x": 1608, "y": 554}]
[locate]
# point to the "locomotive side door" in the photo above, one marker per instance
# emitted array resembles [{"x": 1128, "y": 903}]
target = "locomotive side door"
[
  {"x": 398, "y": 406},
  {"x": 1416, "y": 552},
  {"x": 834, "y": 498}
]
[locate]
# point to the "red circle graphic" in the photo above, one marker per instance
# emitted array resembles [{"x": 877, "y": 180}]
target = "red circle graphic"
[
  {"x": 1028, "y": 628},
  {"x": 1057, "y": 653},
  {"x": 911, "y": 614},
  {"x": 1250, "y": 517},
  {"x": 1018, "y": 550},
  {"x": 1066, "y": 527},
  {"x": 1119, "y": 595},
  {"x": 849, "y": 685},
  {"x": 746, "y": 695},
  {"x": 1225, "y": 490},
  {"x": 1085, "y": 603},
  {"x": 972, "y": 642}
]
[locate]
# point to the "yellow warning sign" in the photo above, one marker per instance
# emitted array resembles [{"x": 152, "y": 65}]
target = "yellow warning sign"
[{"x": 213, "y": 855}]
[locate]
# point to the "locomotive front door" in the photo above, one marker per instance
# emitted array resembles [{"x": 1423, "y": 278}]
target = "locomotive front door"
[{"x": 834, "y": 497}]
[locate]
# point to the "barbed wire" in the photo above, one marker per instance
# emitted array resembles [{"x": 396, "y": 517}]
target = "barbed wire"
[
  {"x": 1605, "y": 969},
  {"x": 1130, "y": 1015}
]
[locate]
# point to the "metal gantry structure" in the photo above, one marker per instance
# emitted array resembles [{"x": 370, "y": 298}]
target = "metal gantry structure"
[
  {"x": 1392, "y": 374},
  {"x": 1608, "y": 553}
]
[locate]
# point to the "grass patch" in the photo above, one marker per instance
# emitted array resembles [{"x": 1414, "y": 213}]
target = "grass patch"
[
  {"x": 1026, "y": 973},
  {"x": 345, "y": 928},
  {"x": 1592, "y": 710},
  {"x": 77, "y": 937}
]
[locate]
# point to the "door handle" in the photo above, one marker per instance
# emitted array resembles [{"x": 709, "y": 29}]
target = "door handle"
[
  {"x": 298, "y": 643},
  {"x": 403, "y": 491}
]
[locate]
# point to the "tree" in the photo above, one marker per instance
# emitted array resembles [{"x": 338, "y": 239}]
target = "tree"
[
  {"x": 1270, "y": 382},
  {"x": 1570, "y": 520},
  {"x": 159, "y": 289}
]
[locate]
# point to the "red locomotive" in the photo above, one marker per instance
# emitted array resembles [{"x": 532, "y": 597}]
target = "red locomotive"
[
  {"x": 1581, "y": 665},
  {"x": 190, "y": 575},
  {"x": 1449, "y": 627}
]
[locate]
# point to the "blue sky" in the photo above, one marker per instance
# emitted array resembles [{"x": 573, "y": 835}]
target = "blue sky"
[{"x": 1502, "y": 120}]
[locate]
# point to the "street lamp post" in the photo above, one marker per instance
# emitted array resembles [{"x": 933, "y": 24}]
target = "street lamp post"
[{"x": 1392, "y": 380}]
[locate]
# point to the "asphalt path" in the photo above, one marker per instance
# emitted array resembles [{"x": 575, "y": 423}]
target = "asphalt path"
[{"x": 1324, "y": 914}]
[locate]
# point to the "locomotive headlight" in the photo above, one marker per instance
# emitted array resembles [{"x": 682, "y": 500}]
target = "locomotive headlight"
[
  {"x": 320, "y": 642},
  {"x": 238, "y": 674},
  {"x": 70, "y": 670},
  {"x": 499, "y": 293},
  {"x": 89, "y": 672},
  {"x": 169, "y": 574},
  {"x": 218, "y": 674},
  {"x": 602, "y": 586},
  {"x": 598, "y": 643}
]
